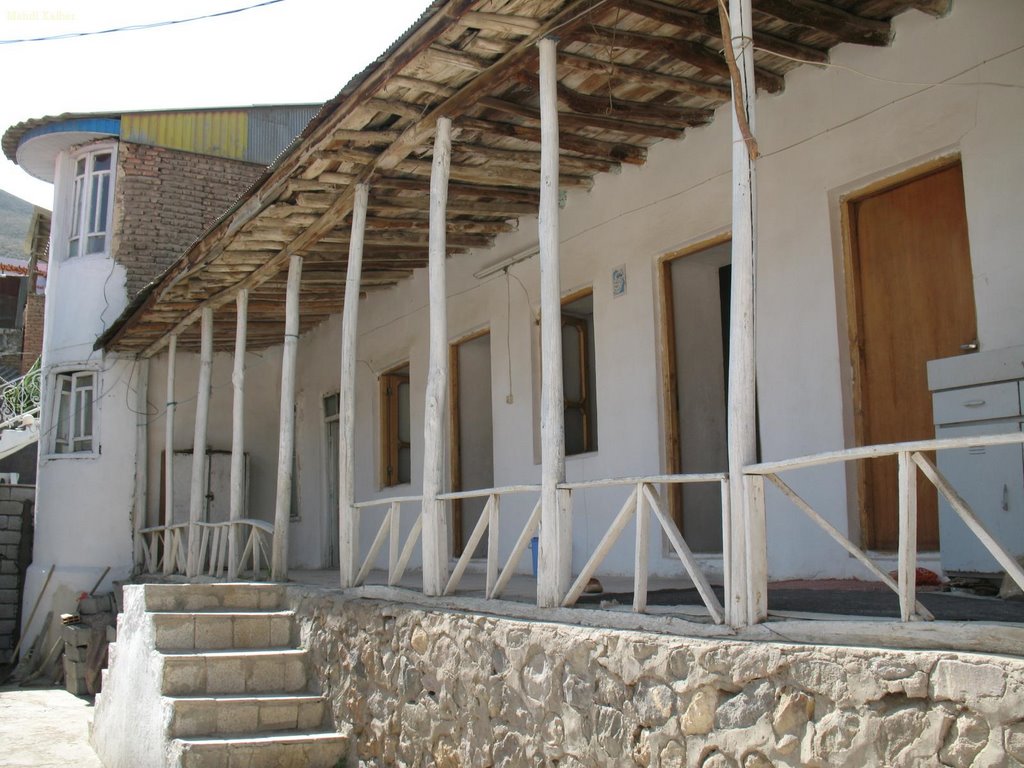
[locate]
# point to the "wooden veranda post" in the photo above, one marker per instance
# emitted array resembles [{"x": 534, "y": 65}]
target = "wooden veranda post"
[
  {"x": 172, "y": 350},
  {"x": 237, "y": 501},
  {"x": 745, "y": 539},
  {"x": 555, "y": 561},
  {"x": 435, "y": 522},
  {"x": 197, "y": 495},
  {"x": 286, "y": 442},
  {"x": 141, "y": 453},
  {"x": 348, "y": 520}
]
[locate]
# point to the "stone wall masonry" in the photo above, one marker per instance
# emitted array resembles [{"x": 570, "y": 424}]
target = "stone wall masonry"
[
  {"x": 423, "y": 687},
  {"x": 165, "y": 199}
]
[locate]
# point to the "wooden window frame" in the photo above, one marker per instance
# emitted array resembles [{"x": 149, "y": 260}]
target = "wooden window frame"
[
  {"x": 66, "y": 409},
  {"x": 85, "y": 224}
]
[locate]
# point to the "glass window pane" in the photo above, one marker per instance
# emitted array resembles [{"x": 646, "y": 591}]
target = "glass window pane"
[
  {"x": 403, "y": 413},
  {"x": 572, "y": 379},
  {"x": 95, "y": 243},
  {"x": 103, "y": 204},
  {"x": 102, "y": 162},
  {"x": 83, "y": 380},
  {"x": 80, "y": 167},
  {"x": 63, "y": 415},
  {"x": 76, "y": 208},
  {"x": 404, "y": 465},
  {"x": 93, "y": 204},
  {"x": 574, "y": 442},
  {"x": 85, "y": 406},
  {"x": 331, "y": 405}
]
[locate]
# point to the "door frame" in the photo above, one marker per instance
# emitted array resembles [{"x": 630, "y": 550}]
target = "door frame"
[
  {"x": 669, "y": 370},
  {"x": 854, "y": 321},
  {"x": 454, "y": 448}
]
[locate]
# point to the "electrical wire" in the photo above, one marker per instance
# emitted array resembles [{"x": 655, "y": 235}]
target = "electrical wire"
[{"x": 137, "y": 27}]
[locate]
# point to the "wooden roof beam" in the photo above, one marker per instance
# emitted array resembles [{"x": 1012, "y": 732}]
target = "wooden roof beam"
[
  {"x": 583, "y": 103},
  {"x": 520, "y": 158},
  {"x": 714, "y": 92},
  {"x": 624, "y": 153},
  {"x": 816, "y": 15},
  {"x": 388, "y": 205},
  {"x": 709, "y": 24},
  {"x": 501, "y": 22},
  {"x": 573, "y": 120},
  {"x": 706, "y": 59}
]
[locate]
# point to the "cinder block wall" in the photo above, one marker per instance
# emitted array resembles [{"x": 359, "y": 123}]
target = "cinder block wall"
[
  {"x": 16, "y": 508},
  {"x": 166, "y": 199}
]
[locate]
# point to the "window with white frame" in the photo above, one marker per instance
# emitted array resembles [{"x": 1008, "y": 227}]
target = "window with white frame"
[
  {"x": 73, "y": 412},
  {"x": 91, "y": 203}
]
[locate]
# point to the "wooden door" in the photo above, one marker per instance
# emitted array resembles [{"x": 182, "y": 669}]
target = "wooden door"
[
  {"x": 914, "y": 302},
  {"x": 472, "y": 451}
]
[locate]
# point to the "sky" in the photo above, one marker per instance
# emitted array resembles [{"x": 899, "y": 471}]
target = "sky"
[{"x": 290, "y": 52}]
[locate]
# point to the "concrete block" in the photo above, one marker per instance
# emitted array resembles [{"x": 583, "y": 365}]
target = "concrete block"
[
  {"x": 111, "y": 633},
  {"x": 225, "y": 675},
  {"x": 280, "y": 631},
  {"x": 213, "y": 631},
  {"x": 174, "y": 632},
  {"x": 8, "y": 611},
  {"x": 8, "y": 536},
  {"x": 76, "y": 634},
  {"x": 8, "y": 566},
  {"x": 76, "y": 652},
  {"x": 238, "y": 717},
  {"x": 295, "y": 673},
  {"x": 266, "y": 674},
  {"x": 9, "y": 581},
  {"x": 311, "y": 715},
  {"x": 183, "y": 676},
  {"x": 279, "y": 716},
  {"x": 8, "y": 595},
  {"x": 204, "y": 756},
  {"x": 14, "y": 522},
  {"x": 251, "y": 631}
]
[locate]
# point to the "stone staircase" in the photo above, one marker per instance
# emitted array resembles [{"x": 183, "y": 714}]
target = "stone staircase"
[{"x": 210, "y": 676}]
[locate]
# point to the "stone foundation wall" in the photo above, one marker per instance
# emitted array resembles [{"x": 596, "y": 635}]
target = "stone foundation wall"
[{"x": 449, "y": 689}]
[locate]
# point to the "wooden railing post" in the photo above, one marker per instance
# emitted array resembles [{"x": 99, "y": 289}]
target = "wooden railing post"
[
  {"x": 757, "y": 550},
  {"x": 172, "y": 350},
  {"x": 348, "y": 514},
  {"x": 493, "y": 527},
  {"x": 907, "y": 568},
  {"x": 197, "y": 497},
  {"x": 286, "y": 443},
  {"x": 555, "y": 558},
  {"x": 237, "y": 500},
  {"x": 435, "y": 522},
  {"x": 643, "y": 542}
]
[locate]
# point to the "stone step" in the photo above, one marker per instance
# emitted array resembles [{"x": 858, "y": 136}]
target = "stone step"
[
  {"x": 220, "y": 630},
  {"x": 234, "y": 715},
  {"x": 241, "y": 596},
  {"x": 205, "y": 673},
  {"x": 309, "y": 750}
]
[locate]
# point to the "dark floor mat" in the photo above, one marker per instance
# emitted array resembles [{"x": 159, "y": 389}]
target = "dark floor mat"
[{"x": 945, "y": 606}]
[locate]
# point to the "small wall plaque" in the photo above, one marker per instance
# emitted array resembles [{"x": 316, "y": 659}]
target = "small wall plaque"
[{"x": 619, "y": 281}]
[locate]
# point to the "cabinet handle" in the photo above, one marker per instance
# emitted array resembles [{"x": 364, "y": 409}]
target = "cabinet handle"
[{"x": 974, "y": 403}]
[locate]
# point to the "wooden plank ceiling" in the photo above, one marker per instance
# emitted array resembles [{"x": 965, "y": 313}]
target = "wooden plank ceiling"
[{"x": 631, "y": 73}]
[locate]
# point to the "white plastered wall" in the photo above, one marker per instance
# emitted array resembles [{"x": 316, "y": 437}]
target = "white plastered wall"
[{"x": 831, "y": 133}]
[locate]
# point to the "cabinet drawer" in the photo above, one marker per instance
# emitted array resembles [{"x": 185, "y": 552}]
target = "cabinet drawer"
[{"x": 992, "y": 401}]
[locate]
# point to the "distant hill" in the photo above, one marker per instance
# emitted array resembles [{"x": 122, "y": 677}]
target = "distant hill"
[{"x": 15, "y": 215}]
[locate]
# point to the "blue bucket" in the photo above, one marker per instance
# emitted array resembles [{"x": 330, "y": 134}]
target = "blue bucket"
[{"x": 534, "y": 546}]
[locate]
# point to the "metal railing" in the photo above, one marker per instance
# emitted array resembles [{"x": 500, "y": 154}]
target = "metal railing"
[{"x": 20, "y": 398}]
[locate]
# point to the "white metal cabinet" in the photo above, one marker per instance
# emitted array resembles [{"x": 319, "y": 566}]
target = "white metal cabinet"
[
  {"x": 980, "y": 394},
  {"x": 991, "y": 480}
]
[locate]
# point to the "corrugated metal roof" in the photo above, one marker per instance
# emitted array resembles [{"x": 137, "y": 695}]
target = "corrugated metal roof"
[{"x": 272, "y": 129}]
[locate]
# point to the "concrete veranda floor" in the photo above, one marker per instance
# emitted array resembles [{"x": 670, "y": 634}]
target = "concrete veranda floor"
[{"x": 45, "y": 728}]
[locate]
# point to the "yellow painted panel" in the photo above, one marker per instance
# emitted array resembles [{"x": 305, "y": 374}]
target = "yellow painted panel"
[{"x": 223, "y": 133}]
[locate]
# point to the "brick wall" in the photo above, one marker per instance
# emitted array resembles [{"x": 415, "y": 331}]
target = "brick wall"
[
  {"x": 16, "y": 505},
  {"x": 165, "y": 199},
  {"x": 32, "y": 343}
]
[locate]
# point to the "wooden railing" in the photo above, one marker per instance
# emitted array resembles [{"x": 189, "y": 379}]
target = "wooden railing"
[
  {"x": 911, "y": 458},
  {"x": 497, "y": 578},
  {"x": 164, "y": 548},
  {"x": 643, "y": 499},
  {"x": 391, "y": 530}
]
